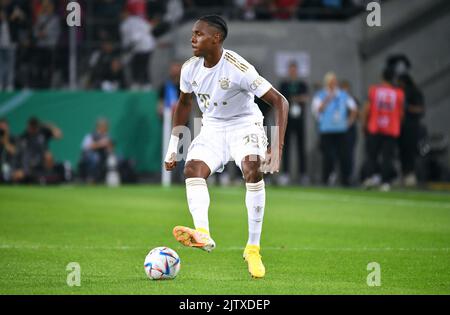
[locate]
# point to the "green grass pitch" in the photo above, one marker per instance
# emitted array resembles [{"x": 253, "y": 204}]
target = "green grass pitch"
[{"x": 315, "y": 241}]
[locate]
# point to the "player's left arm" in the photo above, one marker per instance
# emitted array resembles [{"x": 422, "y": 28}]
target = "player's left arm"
[
  {"x": 281, "y": 107},
  {"x": 54, "y": 130}
]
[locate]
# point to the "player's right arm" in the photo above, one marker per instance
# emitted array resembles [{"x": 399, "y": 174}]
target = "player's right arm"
[
  {"x": 180, "y": 118},
  {"x": 182, "y": 111}
]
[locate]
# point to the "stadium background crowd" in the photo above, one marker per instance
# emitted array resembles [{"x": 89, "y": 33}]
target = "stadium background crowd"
[
  {"x": 34, "y": 41},
  {"x": 115, "y": 48}
]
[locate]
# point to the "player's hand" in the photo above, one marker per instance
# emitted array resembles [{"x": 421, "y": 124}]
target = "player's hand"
[
  {"x": 271, "y": 163},
  {"x": 171, "y": 161}
]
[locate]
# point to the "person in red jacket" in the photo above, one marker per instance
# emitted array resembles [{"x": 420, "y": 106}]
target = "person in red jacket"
[{"x": 382, "y": 119}]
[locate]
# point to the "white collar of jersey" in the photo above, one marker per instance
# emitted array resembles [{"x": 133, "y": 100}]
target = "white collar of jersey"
[{"x": 216, "y": 65}]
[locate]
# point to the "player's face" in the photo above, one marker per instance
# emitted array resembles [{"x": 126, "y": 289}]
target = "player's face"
[{"x": 204, "y": 38}]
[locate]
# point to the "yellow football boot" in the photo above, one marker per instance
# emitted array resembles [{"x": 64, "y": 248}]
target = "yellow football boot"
[{"x": 255, "y": 264}]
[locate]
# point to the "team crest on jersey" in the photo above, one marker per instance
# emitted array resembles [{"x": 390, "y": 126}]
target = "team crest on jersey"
[
  {"x": 224, "y": 83},
  {"x": 194, "y": 84}
]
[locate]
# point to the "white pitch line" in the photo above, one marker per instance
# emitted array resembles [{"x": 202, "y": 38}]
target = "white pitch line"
[
  {"x": 311, "y": 196},
  {"x": 345, "y": 249},
  {"x": 132, "y": 248},
  {"x": 65, "y": 247}
]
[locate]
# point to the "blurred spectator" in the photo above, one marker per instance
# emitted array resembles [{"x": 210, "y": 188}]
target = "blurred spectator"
[
  {"x": 106, "y": 71},
  {"x": 164, "y": 15},
  {"x": 12, "y": 20},
  {"x": 34, "y": 154},
  {"x": 157, "y": 8},
  {"x": 381, "y": 120},
  {"x": 6, "y": 47},
  {"x": 108, "y": 13},
  {"x": 7, "y": 152},
  {"x": 296, "y": 92},
  {"x": 170, "y": 90},
  {"x": 263, "y": 9},
  {"x": 335, "y": 111},
  {"x": 137, "y": 8},
  {"x": 96, "y": 147},
  {"x": 286, "y": 9},
  {"x": 332, "y": 4},
  {"x": 243, "y": 10},
  {"x": 53, "y": 172},
  {"x": 138, "y": 44},
  {"x": 21, "y": 24},
  {"x": 46, "y": 31},
  {"x": 410, "y": 129},
  {"x": 352, "y": 133},
  {"x": 330, "y": 9},
  {"x": 255, "y": 9},
  {"x": 399, "y": 64},
  {"x": 174, "y": 12},
  {"x": 209, "y": 3}
]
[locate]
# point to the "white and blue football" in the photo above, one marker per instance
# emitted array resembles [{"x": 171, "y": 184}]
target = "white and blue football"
[{"x": 162, "y": 263}]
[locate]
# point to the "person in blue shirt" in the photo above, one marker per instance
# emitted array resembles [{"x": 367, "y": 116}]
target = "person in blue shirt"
[{"x": 335, "y": 111}]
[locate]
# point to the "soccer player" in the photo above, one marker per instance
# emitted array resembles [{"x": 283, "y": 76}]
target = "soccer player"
[{"x": 225, "y": 84}]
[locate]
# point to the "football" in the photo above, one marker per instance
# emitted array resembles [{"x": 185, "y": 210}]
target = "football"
[{"x": 162, "y": 263}]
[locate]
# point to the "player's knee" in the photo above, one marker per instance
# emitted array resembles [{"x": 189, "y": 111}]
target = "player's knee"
[
  {"x": 194, "y": 169},
  {"x": 189, "y": 170},
  {"x": 251, "y": 171}
]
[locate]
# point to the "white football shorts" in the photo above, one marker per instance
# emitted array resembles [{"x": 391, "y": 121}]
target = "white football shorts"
[{"x": 218, "y": 144}]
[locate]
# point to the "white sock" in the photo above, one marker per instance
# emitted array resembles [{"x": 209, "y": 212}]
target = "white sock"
[
  {"x": 255, "y": 200},
  {"x": 198, "y": 202}
]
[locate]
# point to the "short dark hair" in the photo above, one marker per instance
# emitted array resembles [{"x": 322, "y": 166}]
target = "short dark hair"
[
  {"x": 217, "y": 22},
  {"x": 33, "y": 122},
  {"x": 388, "y": 74},
  {"x": 293, "y": 63}
]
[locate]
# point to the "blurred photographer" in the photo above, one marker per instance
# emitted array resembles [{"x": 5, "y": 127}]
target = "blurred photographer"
[
  {"x": 34, "y": 151},
  {"x": 7, "y": 152},
  {"x": 96, "y": 147}
]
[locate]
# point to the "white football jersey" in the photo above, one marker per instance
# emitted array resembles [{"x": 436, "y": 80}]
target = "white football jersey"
[{"x": 226, "y": 91}]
